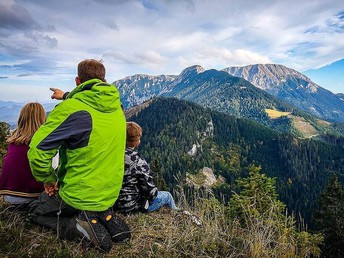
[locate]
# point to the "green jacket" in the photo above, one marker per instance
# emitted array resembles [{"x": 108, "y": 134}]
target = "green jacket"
[{"x": 89, "y": 131}]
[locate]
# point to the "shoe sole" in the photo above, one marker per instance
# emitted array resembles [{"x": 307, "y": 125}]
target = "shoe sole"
[
  {"x": 95, "y": 232},
  {"x": 118, "y": 229}
]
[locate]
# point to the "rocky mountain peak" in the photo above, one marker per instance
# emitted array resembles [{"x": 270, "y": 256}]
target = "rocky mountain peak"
[
  {"x": 292, "y": 86},
  {"x": 270, "y": 76},
  {"x": 192, "y": 70}
]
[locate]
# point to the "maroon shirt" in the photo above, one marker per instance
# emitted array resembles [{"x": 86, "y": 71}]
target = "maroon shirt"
[{"x": 16, "y": 177}]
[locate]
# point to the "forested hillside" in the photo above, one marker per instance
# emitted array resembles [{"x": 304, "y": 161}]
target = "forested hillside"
[{"x": 180, "y": 137}]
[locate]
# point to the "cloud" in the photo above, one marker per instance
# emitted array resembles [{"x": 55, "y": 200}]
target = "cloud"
[
  {"x": 20, "y": 35},
  {"x": 13, "y": 16},
  {"x": 111, "y": 24},
  {"x": 3, "y": 77},
  {"x": 110, "y": 2},
  {"x": 120, "y": 56},
  {"x": 221, "y": 57},
  {"x": 24, "y": 75},
  {"x": 48, "y": 38},
  {"x": 151, "y": 58},
  {"x": 337, "y": 22},
  {"x": 36, "y": 65}
]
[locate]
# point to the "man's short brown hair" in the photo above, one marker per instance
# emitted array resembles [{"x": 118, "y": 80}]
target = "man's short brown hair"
[
  {"x": 134, "y": 133},
  {"x": 91, "y": 69}
]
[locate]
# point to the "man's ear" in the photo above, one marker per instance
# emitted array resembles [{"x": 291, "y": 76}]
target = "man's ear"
[{"x": 77, "y": 81}]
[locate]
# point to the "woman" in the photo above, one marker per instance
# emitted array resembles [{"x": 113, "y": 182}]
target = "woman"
[{"x": 16, "y": 181}]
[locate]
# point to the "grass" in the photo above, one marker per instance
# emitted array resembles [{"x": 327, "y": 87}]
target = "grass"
[
  {"x": 273, "y": 114},
  {"x": 304, "y": 127},
  {"x": 164, "y": 233},
  {"x": 198, "y": 178}
]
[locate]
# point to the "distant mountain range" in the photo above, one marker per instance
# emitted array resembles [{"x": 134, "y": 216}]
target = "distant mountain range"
[
  {"x": 223, "y": 92},
  {"x": 284, "y": 83},
  {"x": 9, "y": 111},
  {"x": 274, "y": 95}
]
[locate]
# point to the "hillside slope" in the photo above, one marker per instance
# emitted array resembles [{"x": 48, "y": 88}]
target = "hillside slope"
[{"x": 182, "y": 138}]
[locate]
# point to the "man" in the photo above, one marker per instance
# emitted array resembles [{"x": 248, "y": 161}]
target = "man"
[{"x": 88, "y": 130}]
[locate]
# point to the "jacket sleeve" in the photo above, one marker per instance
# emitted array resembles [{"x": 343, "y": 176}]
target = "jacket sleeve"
[
  {"x": 145, "y": 180},
  {"x": 63, "y": 127}
]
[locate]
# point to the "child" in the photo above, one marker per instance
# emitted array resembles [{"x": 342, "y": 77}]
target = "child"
[
  {"x": 16, "y": 181},
  {"x": 138, "y": 192}
]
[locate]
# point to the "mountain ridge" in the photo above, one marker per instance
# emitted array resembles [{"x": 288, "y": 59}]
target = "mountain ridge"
[
  {"x": 280, "y": 81},
  {"x": 218, "y": 90},
  {"x": 294, "y": 87}
]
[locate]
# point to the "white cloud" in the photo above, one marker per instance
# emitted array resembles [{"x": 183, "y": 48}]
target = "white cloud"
[{"x": 165, "y": 36}]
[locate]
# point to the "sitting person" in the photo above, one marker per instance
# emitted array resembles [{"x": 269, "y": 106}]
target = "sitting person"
[
  {"x": 88, "y": 129},
  {"x": 17, "y": 184},
  {"x": 138, "y": 192}
]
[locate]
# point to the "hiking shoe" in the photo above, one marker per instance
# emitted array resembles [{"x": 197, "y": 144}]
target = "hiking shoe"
[
  {"x": 89, "y": 226},
  {"x": 118, "y": 229}
]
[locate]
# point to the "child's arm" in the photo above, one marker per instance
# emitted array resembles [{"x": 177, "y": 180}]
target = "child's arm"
[{"x": 145, "y": 179}]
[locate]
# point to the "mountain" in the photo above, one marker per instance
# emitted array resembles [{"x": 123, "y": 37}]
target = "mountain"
[
  {"x": 182, "y": 139},
  {"x": 220, "y": 91},
  {"x": 138, "y": 88},
  {"x": 294, "y": 88},
  {"x": 225, "y": 93},
  {"x": 9, "y": 111}
]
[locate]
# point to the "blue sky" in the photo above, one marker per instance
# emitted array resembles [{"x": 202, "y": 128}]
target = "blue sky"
[{"x": 42, "y": 41}]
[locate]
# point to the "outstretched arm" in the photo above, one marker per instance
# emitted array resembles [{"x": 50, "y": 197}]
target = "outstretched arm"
[{"x": 58, "y": 94}]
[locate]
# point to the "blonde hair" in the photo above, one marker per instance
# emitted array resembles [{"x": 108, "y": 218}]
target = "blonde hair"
[
  {"x": 134, "y": 133},
  {"x": 91, "y": 69},
  {"x": 31, "y": 117}
]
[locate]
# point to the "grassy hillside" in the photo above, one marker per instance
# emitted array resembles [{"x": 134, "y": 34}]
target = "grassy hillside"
[{"x": 166, "y": 233}]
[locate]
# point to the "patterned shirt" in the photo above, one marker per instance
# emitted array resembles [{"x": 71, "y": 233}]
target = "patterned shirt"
[{"x": 138, "y": 187}]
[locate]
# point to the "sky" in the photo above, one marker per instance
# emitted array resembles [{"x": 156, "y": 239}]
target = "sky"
[{"x": 42, "y": 41}]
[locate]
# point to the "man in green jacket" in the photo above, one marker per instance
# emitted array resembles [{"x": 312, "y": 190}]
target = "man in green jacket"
[{"x": 88, "y": 129}]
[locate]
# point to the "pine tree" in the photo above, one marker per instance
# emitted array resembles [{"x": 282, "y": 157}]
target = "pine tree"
[
  {"x": 158, "y": 177},
  {"x": 329, "y": 218},
  {"x": 261, "y": 214},
  {"x": 257, "y": 197},
  {"x": 4, "y": 132}
]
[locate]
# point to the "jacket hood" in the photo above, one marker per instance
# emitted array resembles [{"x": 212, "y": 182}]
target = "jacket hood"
[{"x": 97, "y": 94}]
